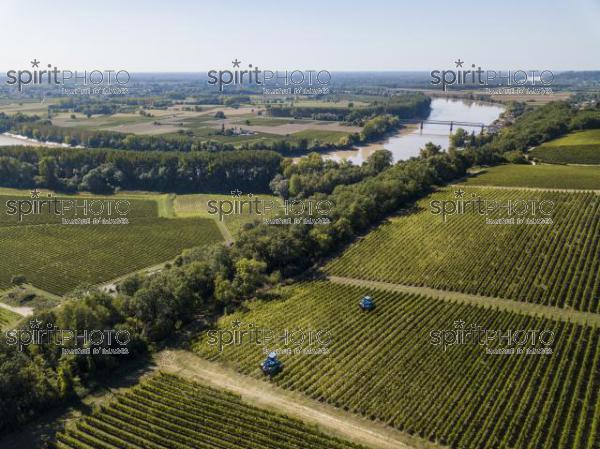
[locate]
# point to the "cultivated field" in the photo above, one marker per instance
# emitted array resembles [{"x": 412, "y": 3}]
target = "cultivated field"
[
  {"x": 553, "y": 264},
  {"x": 166, "y": 411},
  {"x": 57, "y": 257},
  {"x": 301, "y": 127},
  {"x": 387, "y": 366},
  {"x": 581, "y": 147},
  {"x": 204, "y": 125},
  {"x": 9, "y": 106},
  {"x": 7, "y": 318},
  {"x": 196, "y": 205},
  {"x": 539, "y": 176}
]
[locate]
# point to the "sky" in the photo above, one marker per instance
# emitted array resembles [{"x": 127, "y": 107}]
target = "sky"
[{"x": 334, "y": 35}]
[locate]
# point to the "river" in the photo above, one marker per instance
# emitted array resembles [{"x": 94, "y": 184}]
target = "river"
[{"x": 407, "y": 142}]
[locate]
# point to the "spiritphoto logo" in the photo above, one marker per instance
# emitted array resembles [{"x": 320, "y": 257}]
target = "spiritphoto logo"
[
  {"x": 280, "y": 340},
  {"x": 72, "y": 211},
  {"x": 252, "y": 205},
  {"x": 495, "y": 341},
  {"x": 72, "y": 341},
  {"x": 477, "y": 77},
  {"x": 510, "y": 211},
  {"x": 49, "y": 75},
  {"x": 301, "y": 82}
]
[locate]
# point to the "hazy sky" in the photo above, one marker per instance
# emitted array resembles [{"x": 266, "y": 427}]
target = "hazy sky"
[{"x": 186, "y": 35}]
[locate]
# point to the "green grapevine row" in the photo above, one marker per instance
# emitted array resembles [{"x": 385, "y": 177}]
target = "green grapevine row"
[
  {"x": 553, "y": 264},
  {"x": 385, "y": 365},
  {"x": 167, "y": 412}
]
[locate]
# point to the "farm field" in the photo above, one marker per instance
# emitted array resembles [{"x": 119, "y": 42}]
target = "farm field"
[
  {"x": 462, "y": 396},
  {"x": 7, "y": 317},
  {"x": 581, "y": 147},
  {"x": 99, "y": 121},
  {"x": 588, "y": 137},
  {"x": 538, "y": 176},
  {"x": 166, "y": 411},
  {"x": 9, "y": 106},
  {"x": 26, "y": 296},
  {"x": 270, "y": 121},
  {"x": 203, "y": 125},
  {"x": 552, "y": 264},
  {"x": 57, "y": 257},
  {"x": 196, "y": 205}
]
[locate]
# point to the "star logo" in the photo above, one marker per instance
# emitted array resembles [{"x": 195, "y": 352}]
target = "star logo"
[
  {"x": 236, "y": 324},
  {"x": 460, "y": 193},
  {"x": 459, "y": 324},
  {"x": 35, "y": 324},
  {"x": 35, "y": 193},
  {"x": 236, "y": 63},
  {"x": 236, "y": 193},
  {"x": 459, "y": 63},
  {"x": 35, "y": 63}
]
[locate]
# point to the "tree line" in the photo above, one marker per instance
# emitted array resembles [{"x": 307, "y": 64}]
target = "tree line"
[
  {"x": 403, "y": 106},
  {"x": 106, "y": 171}
]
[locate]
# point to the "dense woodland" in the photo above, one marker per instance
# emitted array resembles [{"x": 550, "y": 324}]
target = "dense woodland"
[{"x": 106, "y": 171}]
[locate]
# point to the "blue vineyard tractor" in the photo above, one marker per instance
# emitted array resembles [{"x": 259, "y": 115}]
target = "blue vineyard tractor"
[
  {"x": 367, "y": 304},
  {"x": 271, "y": 365}
]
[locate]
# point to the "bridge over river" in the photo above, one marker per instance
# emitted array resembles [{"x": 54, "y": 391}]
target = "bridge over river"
[{"x": 450, "y": 123}]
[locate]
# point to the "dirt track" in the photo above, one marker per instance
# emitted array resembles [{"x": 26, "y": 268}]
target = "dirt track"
[
  {"x": 262, "y": 394},
  {"x": 24, "y": 311},
  {"x": 527, "y": 308}
]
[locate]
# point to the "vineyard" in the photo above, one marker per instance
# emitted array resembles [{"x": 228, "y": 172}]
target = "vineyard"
[
  {"x": 57, "y": 257},
  {"x": 167, "y": 412},
  {"x": 572, "y": 154},
  {"x": 552, "y": 264},
  {"x": 539, "y": 176},
  {"x": 582, "y": 147},
  {"x": 196, "y": 205},
  {"x": 137, "y": 209},
  {"x": 463, "y": 396}
]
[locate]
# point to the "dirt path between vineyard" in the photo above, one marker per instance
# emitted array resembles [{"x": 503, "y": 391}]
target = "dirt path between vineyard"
[
  {"x": 527, "y": 308},
  {"x": 266, "y": 395},
  {"x": 23, "y": 311}
]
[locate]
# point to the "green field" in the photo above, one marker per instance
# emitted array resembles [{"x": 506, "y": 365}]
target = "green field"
[
  {"x": 166, "y": 411},
  {"x": 539, "y": 176},
  {"x": 553, "y": 264},
  {"x": 385, "y": 366},
  {"x": 58, "y": 257},
  {"x": 9, "y": 106},
  {"x": 100, "y": 122},
  {"x": 324, "y": 136},
  {"x": 8, "y": 317},
  {"x": 271, "y": 121},
  {"x": 29, "y": 296},
  {"x": 196, "y": 205},
  {"x": 210, "y": 133},
  {"x": 588, "y": 137},
  {"x": 138, "y": 209},
  {"x": 582, "y": 147}
]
